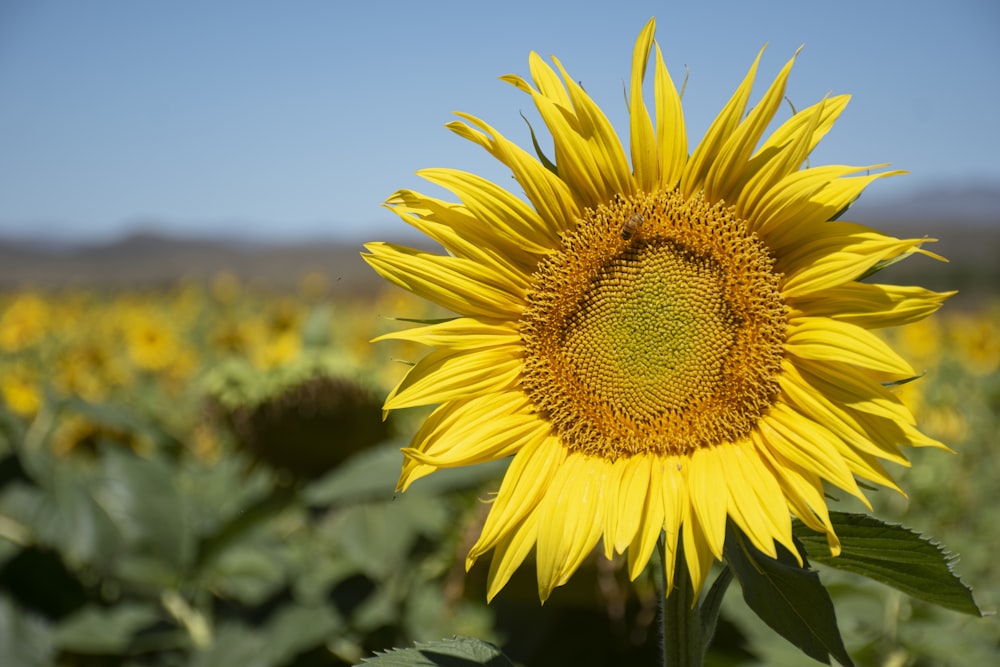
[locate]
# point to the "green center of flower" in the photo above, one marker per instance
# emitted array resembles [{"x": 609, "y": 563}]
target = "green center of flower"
[
  {"x": 652, "y": 331},
  {"x": 657, "y": 327}
]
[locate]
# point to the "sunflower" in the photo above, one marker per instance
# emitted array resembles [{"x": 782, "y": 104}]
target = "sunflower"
[{"x": 663, "y": 342}]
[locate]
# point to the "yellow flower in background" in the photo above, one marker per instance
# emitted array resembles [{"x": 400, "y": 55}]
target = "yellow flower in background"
[
  {"x": 664, "y": 341},
  {"x": 23, "y": 322},
  {"x": 151, "y": 342},
  {"x": 20, "y": 389}
]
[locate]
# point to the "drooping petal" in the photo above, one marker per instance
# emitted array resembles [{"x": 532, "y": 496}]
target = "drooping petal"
[
  {"x": 527, "y": 478},
  {"x": 446, "y": 375},
  {"x": 569, "y": 520},
  {"x": 547, "y": 192},
  {"x": 462, "y": 286},
  {"x": 872, "y": 306}
]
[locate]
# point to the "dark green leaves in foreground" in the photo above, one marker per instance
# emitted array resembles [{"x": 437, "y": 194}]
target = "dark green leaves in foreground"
[
  {"x": 789, "y": 598},
  {"x": 892, "y": 555},
  {"x": 455, "y": 652}
]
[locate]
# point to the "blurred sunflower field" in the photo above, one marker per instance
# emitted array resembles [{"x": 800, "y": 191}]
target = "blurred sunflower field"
[{"x": 202, "y": 476}]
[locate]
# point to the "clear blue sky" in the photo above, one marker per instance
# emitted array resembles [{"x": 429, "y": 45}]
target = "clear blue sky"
[{"x": 296, "y": 119}]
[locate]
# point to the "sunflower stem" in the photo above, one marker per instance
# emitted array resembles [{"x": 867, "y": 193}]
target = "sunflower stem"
[{"x": 683, "y": 639}]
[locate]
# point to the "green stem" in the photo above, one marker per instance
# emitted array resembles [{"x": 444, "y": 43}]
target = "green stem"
[{"x": 683, "y": 641}]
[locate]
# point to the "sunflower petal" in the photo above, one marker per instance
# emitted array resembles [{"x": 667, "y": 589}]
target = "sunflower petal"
[
  {"x": 872, "y": 306},
  {"x": 697, "y": 168},
  {"x": 822, "y": 339},
  {"x": 671, "y": 135},
  {"x": 569, "y": 520},
  {"x": 447, "y": 375},
  {"x": 547, "y": 192},
  {"x": 510, "y": 552},
  {"x": 527, "y": 478},
  {"x": 462, "y": 286},
  {"x": 461, "y": 333},
  {"x": 642, "y": 142},
  {"x": 730, "y": 170}
]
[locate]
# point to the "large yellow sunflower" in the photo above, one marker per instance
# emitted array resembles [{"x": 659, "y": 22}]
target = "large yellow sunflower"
[{"x": 661, "y": 347}]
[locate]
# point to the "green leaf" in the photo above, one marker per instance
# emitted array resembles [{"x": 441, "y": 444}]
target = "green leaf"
[
  {"x": 454, "y": 652},
  {"x": 789, "y": 598},
  {"x": 295, "y": 629},
  {"x": 25, "y": 638},
  {"x": 372, "y": 475},
  {"x": 368, "y": 475},
  {"x": 232, "y": 644},
  {"x": 93, "y": 630},
  {"x": 140, "y": 494},
  {"x": 892, "y": 555},
  {"x": 712, "y": 604}
]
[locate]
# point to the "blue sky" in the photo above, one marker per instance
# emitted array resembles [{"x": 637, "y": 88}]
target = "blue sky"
[{"x": 294, "y": 120}]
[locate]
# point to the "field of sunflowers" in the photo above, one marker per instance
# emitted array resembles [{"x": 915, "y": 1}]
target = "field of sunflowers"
[{"x": 201, "y": 476}]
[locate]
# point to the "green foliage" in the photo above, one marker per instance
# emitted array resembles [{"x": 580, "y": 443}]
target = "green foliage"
[
  {"x": 892, "y": 555},
  {"x": 788, "y": 597},
  {"x": 245, "y": 514},
  {"x": 113, "y": 555},
  {"x": 456, "y": 652}
]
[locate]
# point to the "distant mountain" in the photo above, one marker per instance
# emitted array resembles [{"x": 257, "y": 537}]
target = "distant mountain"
[
  {"x": 150, "y": 260},
  {"x": 965, "y": 220},
  {"x": 972, "y": 206}
]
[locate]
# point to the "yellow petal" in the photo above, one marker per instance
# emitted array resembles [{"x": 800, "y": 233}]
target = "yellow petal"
[
  {"x": 462, "y": 286},
  {"x": 853, "y": 388},
  {"x": 671, "y": 133},
  {"x": 447, "y": 375},
  {"x": 705, "y": 155},
  {"x": 832, "y": 258},
  {"x": 756, "y": 502},
  {"x": 527, "y": 478},
  {"x": 872, "y": 306},
  {"x": 461, "y": 333},
  {"x": 481, "y": 429},
  {"x": 570, "y": 517},
  {"x": 642, "y": 142},
  {"x": 730, "y": 170},
  {"x": 463, "y": 235},
  {"x": 697, "y": 553},
  {"x": 803, "y": 490},
  {"x": 510, "y": 552},
  {"x": 603, "y": 141},
  {"x": 782, "y": 154},
  {"x": 546, "y": 192},
  {"x": 494, "y": 207},
  {"x": 803, "y": 200},
  {"x": 649, "y": 514},
  {"x": 821, "y": 339},
  {"x": 837, "y": 418},
  {"x": 705, "y": 479},
  {"x": 809, "y": 446}
]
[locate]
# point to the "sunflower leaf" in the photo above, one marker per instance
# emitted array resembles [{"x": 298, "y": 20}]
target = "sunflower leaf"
[
  {"x": 788, "y": 598},
  {"x": 445, "y": 653},
  {"x": 893, "y": 555}
]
